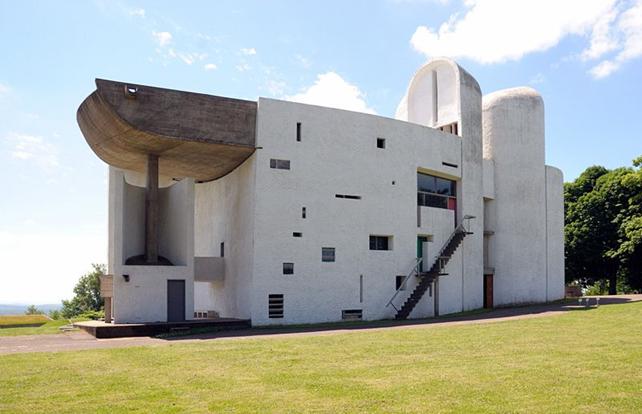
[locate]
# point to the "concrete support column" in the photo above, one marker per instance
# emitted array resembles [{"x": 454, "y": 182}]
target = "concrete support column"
[
  {"x": 151, "y": 210},
  {"x": 108, "y": 310}
]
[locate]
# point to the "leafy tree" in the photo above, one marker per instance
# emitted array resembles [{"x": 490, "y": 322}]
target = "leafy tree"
[
  {"x": 33, "y": 310},
  {"x": 603, "y": 227},
  {"x": 86, "y": 294},
  {"x": 55, "y": 314}
]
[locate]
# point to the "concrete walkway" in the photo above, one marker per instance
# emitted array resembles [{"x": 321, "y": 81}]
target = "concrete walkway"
[{"x": 75, "y": 341}]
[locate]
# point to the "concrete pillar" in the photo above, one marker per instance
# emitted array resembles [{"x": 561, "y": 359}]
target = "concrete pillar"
[
  {"x": 108, "y": 310},
  {"x": 151, "y": 210}
]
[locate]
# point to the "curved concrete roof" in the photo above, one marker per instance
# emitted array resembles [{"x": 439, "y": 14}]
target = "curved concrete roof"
[
  {"x": 507, "y": 95},
  {"x": 194, "y": 135}
]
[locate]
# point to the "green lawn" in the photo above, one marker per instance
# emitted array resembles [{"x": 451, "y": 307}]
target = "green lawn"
[
  {"x": 586, "y": 361},
  {"x": 13, "y": 325}
]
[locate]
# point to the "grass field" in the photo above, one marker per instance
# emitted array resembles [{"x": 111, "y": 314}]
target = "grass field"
[
  {"x": 12, "y": 325},
  {"x": 16, "y": 321},
  {"x": 581, "y": 361}
]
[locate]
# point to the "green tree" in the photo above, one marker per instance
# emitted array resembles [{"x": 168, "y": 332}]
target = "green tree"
[
  {"x": 86, "y": 294},
  {"x": 33, "y": 310},
  {"x": 603, "y": 227}
]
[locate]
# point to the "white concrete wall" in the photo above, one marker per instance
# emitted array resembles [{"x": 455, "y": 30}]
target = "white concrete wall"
[
  {"x": 176, "y": 221},
  {"x": 225, "y": 213},
  {"x": 337, "y": 155},
  {"x": 514, "y": 139},
  {"x": 144, "y": 297},
  {"x": 554, "y": 233}
]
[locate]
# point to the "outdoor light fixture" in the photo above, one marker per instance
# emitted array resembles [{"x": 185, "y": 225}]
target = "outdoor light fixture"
[{"x": 126, "y": 277}]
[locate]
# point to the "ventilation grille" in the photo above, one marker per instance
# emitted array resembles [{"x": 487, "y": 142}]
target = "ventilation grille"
[
  {"x": 275, "y": 306},
  {"x": 352, "y": 314}
]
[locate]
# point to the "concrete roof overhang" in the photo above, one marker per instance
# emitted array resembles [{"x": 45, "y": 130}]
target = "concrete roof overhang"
[{"x": 194, "y": 135}]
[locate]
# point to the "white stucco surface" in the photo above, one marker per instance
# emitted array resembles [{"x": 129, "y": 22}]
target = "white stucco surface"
[{"x": 496, "y": 159}]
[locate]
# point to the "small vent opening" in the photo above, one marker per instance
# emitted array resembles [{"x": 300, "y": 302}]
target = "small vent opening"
[
  {"x": 275, "y": 306},
  {"x": 352, "y": 314}
]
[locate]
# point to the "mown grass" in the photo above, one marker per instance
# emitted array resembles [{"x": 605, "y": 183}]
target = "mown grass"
[
  {"x": 30, "y": 325},
  {"x": 582, "y": 361},
  {"x": 15, "y": 321}
]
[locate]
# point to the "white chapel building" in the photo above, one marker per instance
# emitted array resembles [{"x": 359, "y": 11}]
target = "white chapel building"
[{"x": 286, "y": 213}]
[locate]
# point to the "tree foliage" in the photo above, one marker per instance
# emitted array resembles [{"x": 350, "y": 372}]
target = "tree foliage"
[
  {"x": 86, "y": 294},
  {"x": 33, "y": 310},
  {"x": 603, "y": 227}
]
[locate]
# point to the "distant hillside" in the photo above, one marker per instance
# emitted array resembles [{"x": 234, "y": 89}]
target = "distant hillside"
[{"x": 20, "y": 309}]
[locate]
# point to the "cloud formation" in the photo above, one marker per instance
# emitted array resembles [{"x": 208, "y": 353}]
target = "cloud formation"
[
  {"x": 248, "y": 51},
  {"x": 330, "y": 89},
  {"x": 496, "y": 31},
  {"x": 162, "y": 38},
  {"x": 34, "y": 149}
]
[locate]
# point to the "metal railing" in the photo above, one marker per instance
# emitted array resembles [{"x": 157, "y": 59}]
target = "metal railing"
[
  {"x": 402, "y": 286},
  {"x": 415, "y": 269}
]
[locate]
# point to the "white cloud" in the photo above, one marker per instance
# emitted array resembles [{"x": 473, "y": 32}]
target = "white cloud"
[
  {"x": 248, "y": 51},
  {"x": 332, "y": 90},
  {"x": 189, "y": 58},
  {"x": 495, "y": 31},
  {"x": 628, "y": 30},
  {"x": 602, "y": 39},
  {"x": 4, "y": 89},
  {"x": 137, "y": 12},
  {"x": 243, "y": 67},
  {"x": 210, "y": 66},
  {"x": 163, "y": 38},
  {"x": 33, "y": 149}
]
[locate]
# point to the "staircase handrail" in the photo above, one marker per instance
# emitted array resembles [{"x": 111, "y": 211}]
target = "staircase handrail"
[
  {"x": 402, "y": 286},
  {"x": 459, "y": 229}
]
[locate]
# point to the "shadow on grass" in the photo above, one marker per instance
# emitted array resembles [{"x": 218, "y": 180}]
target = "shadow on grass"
[{"x": 563, "y": 305}]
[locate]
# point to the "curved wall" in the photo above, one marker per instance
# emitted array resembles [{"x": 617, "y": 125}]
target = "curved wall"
[{"x": 513, "y": 126}]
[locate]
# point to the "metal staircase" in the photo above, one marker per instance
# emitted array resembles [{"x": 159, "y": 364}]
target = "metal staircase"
[{"x": 428, "y": 277}]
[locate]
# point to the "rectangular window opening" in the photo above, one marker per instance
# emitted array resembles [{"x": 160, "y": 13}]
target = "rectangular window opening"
[
  {"x": 275, "y": 306},
  {"x": 327, "y": 254},
  {"x": 448, "y": 164},
  {"x": 222, "y": 249},
  {"x": 279, "y": 164},
  {"x": 352, "y": 314},
  {"x": 303, "y": 212},
  {"x": 381, "y": 143},
  {"x": 297, "y": 234},
  {"x": 298, "y": 132},
  {"x": 288, "y": 268},
  {"x": 450, "y": 128},
  {"x": 380, "y": 242},
  {"x": 399, "y": 282},
  {"x": 348, "y": 196},
  {"x": 436, "y": 192}
]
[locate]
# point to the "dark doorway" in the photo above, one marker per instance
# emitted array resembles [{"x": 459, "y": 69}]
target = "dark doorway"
[
  {"x": 175, "y": 300},
  {"x": 420, "y": 250},
  {"x": 488, "y": 291}
]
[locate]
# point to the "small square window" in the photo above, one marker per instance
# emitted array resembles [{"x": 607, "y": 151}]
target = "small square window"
[
  {"x": 380, "y": 243},
  {"x": 288, "y": 268},
  {"x": 327, "y": 254},
  {"x": 381, "y": 143}
]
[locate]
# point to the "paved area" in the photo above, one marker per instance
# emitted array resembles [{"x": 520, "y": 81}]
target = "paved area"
[{"x": 75, "y": 341}]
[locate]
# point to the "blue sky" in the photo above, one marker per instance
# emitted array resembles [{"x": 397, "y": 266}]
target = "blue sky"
[{"x": 583, "y": 56}]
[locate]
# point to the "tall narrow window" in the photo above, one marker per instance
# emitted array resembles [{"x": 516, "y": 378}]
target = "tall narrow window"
[
  {"x": 298, "y": 132},
  {"x": 288, "y": 268},
  {"x": 303, "y": 212},
  {"x": 222, "y": 249},
  {"x": 381, "y": 143},
  {"x": 275, "y": 306},
  {"x": 360, "y": 288}
]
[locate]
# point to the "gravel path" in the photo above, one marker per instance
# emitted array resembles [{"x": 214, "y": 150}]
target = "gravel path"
[{"x": 75, "y": 341}]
